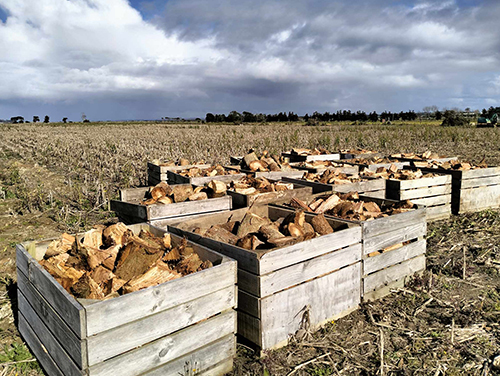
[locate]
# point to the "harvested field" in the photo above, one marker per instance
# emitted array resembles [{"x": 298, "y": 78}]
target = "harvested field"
[{"x": 60, "y": 177}]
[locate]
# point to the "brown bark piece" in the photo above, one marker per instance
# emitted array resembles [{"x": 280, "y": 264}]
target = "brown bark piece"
[
  {"x": 309, "y": 232},
  {"x": 182, "y": 192},
  {"x": 183, "y": 162},
  {"x": 189, "y": 264},
  {"x": 251, "y": 222},
  {"x": 372, "y": 207},
  {"x": 328, "y": 204},
  {"x": 283, "y": 242},
  {"x": 222, "y": 235},
  {"x": 61, "y": 245},
  {"x": 135, "y": 260},
  {"x": 321, "y": 225},
  {"x": 271, "y": 231},
  {"x": 250, "y": 242},
  {"x": 157, "y": 274}
]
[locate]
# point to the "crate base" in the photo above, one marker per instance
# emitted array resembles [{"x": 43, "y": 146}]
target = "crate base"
[{"x": 388, "y": 289}]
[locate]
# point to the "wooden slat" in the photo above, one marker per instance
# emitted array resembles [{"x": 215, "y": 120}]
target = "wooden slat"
[
  {"x": 248, "y": 282},
  {"x": 433, "y": 201},
  {"x": 68, "y": 308},
  {"x": 425, "y": 192},
  {"x": 480, "y": 173},
  {"x": 248, "y": 303},
  {"x": 52, "y": 320},
  {"x": 176, "y": 178},
  {"x": 392, "y": 223},
  {"x": 479, "y": 182},
  {"x": 158, "y": 211},
  {"x": 165, "y": 222},
  {"x": 418, "y": 183},
  {"x": 409, "y": 251},
  {"x": 220, "y": 369},
  {"x": 310, "y": 158},
  {"x": 164, "y": 169},
  {"x": 201, "y": 361},
  {"x": 37, "y": 348},
  {"x": 47, "y": 339},
  {"x": 275, "y": 175},
  {"x": 480, "y": 198},
  {"x": 361, "y": 187},
  {"x": 309, "y": 269},
  {"x": 103, "y": 345},
  {"x": 133, "y": 195},
  {"x": 345, "y": 169},
  {"x": 435, "y": 213},
  {"x": 327, "y": 298},
  {"x": 168, "y": 348},
  {"x": 282, "y": 257},
  {"x": 154, "y": 181},
  {"x": 249, "y": 327},
  {"x": 374, "y": 167},
  {"x": 241, "y": 200},
  {"x": 316, "y": 187},
  {"x": 385, "y": 240},
  {"x": 129, "y": 209},
  {"x": 112, "y": 313},
  {"x": 375, "y": 194},
  {"x": 377, "y": 280}
]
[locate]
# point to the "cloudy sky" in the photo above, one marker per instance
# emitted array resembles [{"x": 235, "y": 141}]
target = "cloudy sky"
[{"x": 119, "y": 59}]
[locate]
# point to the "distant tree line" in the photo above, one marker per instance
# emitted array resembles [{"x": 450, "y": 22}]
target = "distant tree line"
[{"x": 248, "y": 117}]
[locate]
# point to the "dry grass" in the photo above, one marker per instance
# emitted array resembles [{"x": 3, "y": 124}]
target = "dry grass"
[{"x": 60, "y": 177}]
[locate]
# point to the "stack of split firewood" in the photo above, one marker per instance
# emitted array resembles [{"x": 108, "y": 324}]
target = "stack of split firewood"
[
  {"x": 256, "y": 232},
  {"x": 110, "y": 261},
  {"x": 358, "y": 151},
  {"x": 370, "y": 161},
  {"x": 331, "y": 177},
  {"x": 350, "y": 206},
  {"x": 263, "y": 163},
  {"x": 179, "y": 162},
  {"x": 165, "y": 194},
  {"x": 250, "y": 185},
  {"x": 319, "y": 164},
  {"x": 451, "y": 165},
  {"x": 424, "y": 156},
  {"x": 394, "y": 173},
  {"x": 195, "y": 172}
]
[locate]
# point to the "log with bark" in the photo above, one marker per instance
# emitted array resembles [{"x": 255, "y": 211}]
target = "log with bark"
[
  {"x": 110, "y": 261},
  {"x": 164, "y": 194},
  {"x": 264, "y": 163},
  {"x": 250, "y": 185}
]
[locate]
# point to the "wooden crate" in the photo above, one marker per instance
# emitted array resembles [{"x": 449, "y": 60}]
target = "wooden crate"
[
  {"x": 433, "y": 192},
  {"x": 370, "y": 187},
  {"x": 157, "y": 330},
  {"x": 130, "y": 210},
  {"x": 382, "y": 271},
  {"x": 241, "y": 200},
  {"x": 374, "y": 167},
  {"x": 343, "y": 168},
  {"x": 176, "y": 178},
  {"x": 157, "y": 173},
  {"x": 309, "y": 158},
  {"x": 279, "y": 288},
  {"x": 472, "y": 190},
  {"x": 361, "y": 155}
]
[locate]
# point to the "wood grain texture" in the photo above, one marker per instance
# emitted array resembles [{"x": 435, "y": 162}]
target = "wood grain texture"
[
  {"x": 176, "y": 178},
  {"x": 382, "y": 241},
  {"x": 477, "y": 182},
  {"x": 379, "y": 279},
  {"x": 479, "y": 198},
  {"x": 433, "y": 201},
  {"x": 436, "y": 213},
  {"x": 103, "y": 346},
  {"x": 168, "y": 348},
  {"x": 418, "y": 183},
  {"x": 64, "y": 335},
  {"x": 240, "y": 200},
  {"x": 425, "y": 192},
  {"x": 37, "y": 348},
  {"x": 386, "y": 259}
]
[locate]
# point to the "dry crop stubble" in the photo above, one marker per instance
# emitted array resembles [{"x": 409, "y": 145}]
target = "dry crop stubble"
[{"x": 71, "y": 171}]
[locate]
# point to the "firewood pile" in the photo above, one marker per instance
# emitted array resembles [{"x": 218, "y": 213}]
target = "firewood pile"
[
  {"x": 250, "y": 185},
  {"x": 166, "y": 194},
  {"x": 350, "y": 206},
  {"x": 196, "y": 172},
  {"x": 179, "y": 162},
  {"x": 264, "y": 162},
  {"x": 306, "y": 152},
  {"x": 111, "y": 261},
  {"x": 332, "y": 177},
  {"x": 371, "y": 160},
  {"x": 394, "y": 173},
  {"x": 451, "y": 165},
  {"x": 358, "y": 151},
  {"x": 256, "y": 232},
  {"x": 420, "y": 157},
  {"x": 319, "y": 164}
]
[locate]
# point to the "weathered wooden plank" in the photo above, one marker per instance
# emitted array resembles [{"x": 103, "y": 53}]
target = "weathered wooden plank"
[
  {"x": 189, "y": 207},
  {"x": 250, "y": 328},
  {"x": 311, "y": 158},
  {"x": 393, "y": 184},
  {"x": 435, "y": 213},
  {"x": 274, "y": 175},
  {"x": 382, "y": 241},
  {"x": 153, "y": 181},
  {"x": 133, "y": 195},
  {"x": 374, "y": 167},
  {"x": 480, "y": 198},
  {"x": 52, "y": 320},
  {"x": 377, "y": 280},
  {"x": 220, "y": 369},
  {"x": 361, "y": 155},
  {"x": 68, "y": 308},
  {"x": 432, "y": 201},
  {"x": 306, "y": 270},
  {"x": 168, "y": 348},
  {"x": 361, "y": 187},
  {"x": 112, "y": 313},
  {"x": 164, "y": 169},
  {"x": 480, "y": 173},
  {"x": 478, "y": 182},
  {"x": 37, "y": 348},
  {"x": 345, "y": 169},
  {"x": 392, "y": 223},
  {"x": 324, "y": 298},
  {"x": 129, "y": 209},
  {"x": 47, "y": 339},
  {"x": 409, "y": 251},
  {"x": 316, "y": 186},
  {"x": 248, "y": 282},
  {"x": 411, "y": 194},
  {"x": 241, "y": 200},
  {"x": 248, "y": 303},
  {"x": 200, "y": 362},
  {"x": 103, "y": 345},
  {"x": 176, "y": 178}
]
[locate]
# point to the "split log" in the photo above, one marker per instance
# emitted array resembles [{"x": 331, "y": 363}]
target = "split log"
[
  {"x": 328, "y": 204},
  {"x": 198, "y": 196},
  {"x": 165, "y": 200},
  {"x": 217, "y": 188},
  {"x": 117, "y": 234},
  {"x": 182, "y": 192},
  {"x": 189, "y": 264},
  {"x": 299, "y": 204},
  {"x": 251, "y": 222},
  {"x": 271, "y": 231},
  {"x": 250, "y": 157},
  {"x": 159, "y": 273},
  {"x": 220, "y": 234},
  {"x": 283, "y": 242},
  {"x": 93, "y": 238},
  {"x": 61, "y": 245},
  {"x": 321, "y": 225},
  {"x": 295, "y": 230},
  {"x": 309, "y": 232},
  {"x": 134, "y": 260},
  {"x": 250, "y": 242}
]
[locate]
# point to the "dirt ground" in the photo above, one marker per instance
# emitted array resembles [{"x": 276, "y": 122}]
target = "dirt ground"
[{"x": 443, "y": 323}]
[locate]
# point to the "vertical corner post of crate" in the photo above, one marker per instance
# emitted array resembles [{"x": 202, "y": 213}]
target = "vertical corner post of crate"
[{"x": 393, "y": 250}]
